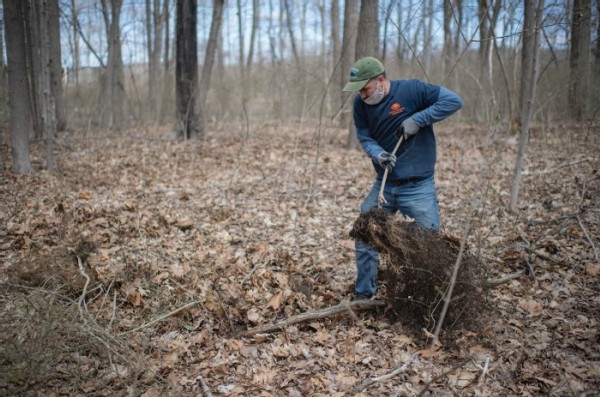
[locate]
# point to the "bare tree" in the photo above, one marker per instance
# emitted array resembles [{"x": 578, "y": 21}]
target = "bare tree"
[
  {"x": 348, "y": 52},
  {"x": 367, "y": 44},
  {"x": 336, "y": 53},
  {"x": 209, "y": 61},
  {"x": 448, "y": 49},
  {"x": 55, "y": 58},
  {"x": 114, "y": 84},
  {"x": 290, "y": 28},
  {"x": 579, "y": 61},
  {"x": 186, "y": 69},
  {"x": 386, "y": 23},
  {"x": 154, "y": 40},
  {"x": 597, "y": 60},
  {"x": 529, "y": 72},
  {"x": 46, "y": 100},
  {"x": 16, "y": 13}
]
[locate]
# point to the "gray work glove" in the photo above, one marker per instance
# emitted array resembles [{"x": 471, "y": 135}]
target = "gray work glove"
[
  {"x": 385, "y": 159},
  {"x": 410, "y": 128}
]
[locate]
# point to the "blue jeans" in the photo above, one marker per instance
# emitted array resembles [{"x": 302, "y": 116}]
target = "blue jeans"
[{"x": 417, "y": 200}]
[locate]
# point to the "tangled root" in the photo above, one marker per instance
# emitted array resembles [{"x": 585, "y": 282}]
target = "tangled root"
[{"x": 419, "y": 267}]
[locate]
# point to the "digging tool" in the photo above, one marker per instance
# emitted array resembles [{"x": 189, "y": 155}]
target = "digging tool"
[{"x": 380, "y": 199}]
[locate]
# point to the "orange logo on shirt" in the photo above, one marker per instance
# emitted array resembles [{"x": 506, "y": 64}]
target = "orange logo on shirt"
[{"x": 396, "y": 109}]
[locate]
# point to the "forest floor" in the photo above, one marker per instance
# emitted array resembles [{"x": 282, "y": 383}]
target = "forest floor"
[{"x": 132, "y": 268}]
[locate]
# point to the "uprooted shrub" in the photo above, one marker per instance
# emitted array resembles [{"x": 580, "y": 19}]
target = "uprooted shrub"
[{"x": 417, "y": 274}]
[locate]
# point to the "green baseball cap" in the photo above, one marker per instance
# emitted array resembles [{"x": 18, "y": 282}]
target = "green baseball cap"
[{"x": 362, "y": 71}]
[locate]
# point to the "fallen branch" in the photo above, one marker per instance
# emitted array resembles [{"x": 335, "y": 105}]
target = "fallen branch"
[
  {"x": 506, "y": 278},
  {"x": 589, "y": 239},
  {"x": 368, "y": 382},
  {"x": 551, "y": 170},
  {"x": 341, "y": 308},
  {"x": 543, "y": 256}
]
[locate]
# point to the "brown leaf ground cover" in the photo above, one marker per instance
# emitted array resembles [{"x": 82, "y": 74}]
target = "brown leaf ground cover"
[{"x": 132, "y": 268}]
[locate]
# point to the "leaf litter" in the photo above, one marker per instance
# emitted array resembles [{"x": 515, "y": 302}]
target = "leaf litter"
[{"x": 131, "y": 268}]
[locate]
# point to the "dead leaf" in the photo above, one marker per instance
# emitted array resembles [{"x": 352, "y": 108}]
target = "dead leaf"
[
  {"x": 184, "y": 224},
  {"x": 275, "y": 301},
  {"x": 253, "y": 315},
  {"x": 531, "y": 306},
  {"x": 85, "y": 195},
  {"x": 592, "y": 269},
  {"x": 346, "y": 244}
]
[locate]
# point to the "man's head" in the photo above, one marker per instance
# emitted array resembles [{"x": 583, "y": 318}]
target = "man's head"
[
  {"x": 362, "y": 71},
  {"x": 367, "y": 76}
]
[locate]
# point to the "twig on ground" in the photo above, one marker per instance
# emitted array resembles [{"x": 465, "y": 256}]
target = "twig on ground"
[
  {"x": 543, "y": 256},
  {"x": 589, "y": 239},
  {"x": 506, "y": 278},
  {"x": 81, "y": 303},
  {"x": 484, "y": 371},
  {"x": 162, "y": 317},
  {"x": 114, "y": 310},
  {"x": 203, "y": 387},
  {"x": 369, "y": 381},
  {"x": 429, "y": 383},
  {"x": 564, "y": 165},
  {"x": 448, "y": 295},
  {"x": 317, "y": 314}
]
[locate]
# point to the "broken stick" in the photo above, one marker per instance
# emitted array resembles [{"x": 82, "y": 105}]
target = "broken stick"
[{"x": 344, "y": 307}]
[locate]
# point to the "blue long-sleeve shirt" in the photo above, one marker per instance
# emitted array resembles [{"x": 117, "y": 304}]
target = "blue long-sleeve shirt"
[{"x": 377, "y": 125}]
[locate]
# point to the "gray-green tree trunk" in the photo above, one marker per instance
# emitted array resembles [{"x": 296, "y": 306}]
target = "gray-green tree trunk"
[
  {"x": 335, "y": 56},
  {"x": 347, "y": 55},
  {"x": 56, "y": 65},
  {"x": 46, "y": 99},
  {"x": 367, "y": 44},
  {"x": 154, "y": 38},
  {"x": 529, "y": 72},
  {"x": 186, "y": 69},
  {"x": 448, "y": 49},
  {"x": 579, "y": 61},
  {"x": 209, "y": 61},
  {"x": 16, "y": 15},
  {"x": 114, "y": 80}
]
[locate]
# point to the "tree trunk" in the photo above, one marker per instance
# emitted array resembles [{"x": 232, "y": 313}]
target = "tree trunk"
[
  {"x": 16, "y": 15},
  {"x": 76, "y": 33},
  {"x": 447, "y": 53},
  {"x": 597, "y": 60},
  {"x": 529, "y": 72},
  {"x": 34, "y": 63},
  {"x": 459, "y": 9},
  {"x": 166, "y": 60},
  {"x": 579, "y": 61},
  {"x": 253, "y": 33},
  {"x": 186, "y": 69},
  {"x": 367, "y": 44},
  {"x": 46, "y": 100},
  {"x": 336, "y": 60},
  {"x": 113, "y": 83},
  {"x": 386, "y": 23},
  {"x": 56, "y": 65},
  {"x": 209, "y": 60},
  {"x": 3, "y": 81},
  {"x": 290, "y": 28},
  {"x": 348, "y": 52},
  {"x": 241, "y": 36}
]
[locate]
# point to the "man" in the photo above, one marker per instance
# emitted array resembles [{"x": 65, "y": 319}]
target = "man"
[{"x": 383, "y": 110}]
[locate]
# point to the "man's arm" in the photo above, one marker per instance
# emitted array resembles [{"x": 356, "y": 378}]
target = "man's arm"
[
  {"x": 447, "y": 104},
  {"x": 369, "y": 145}
]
